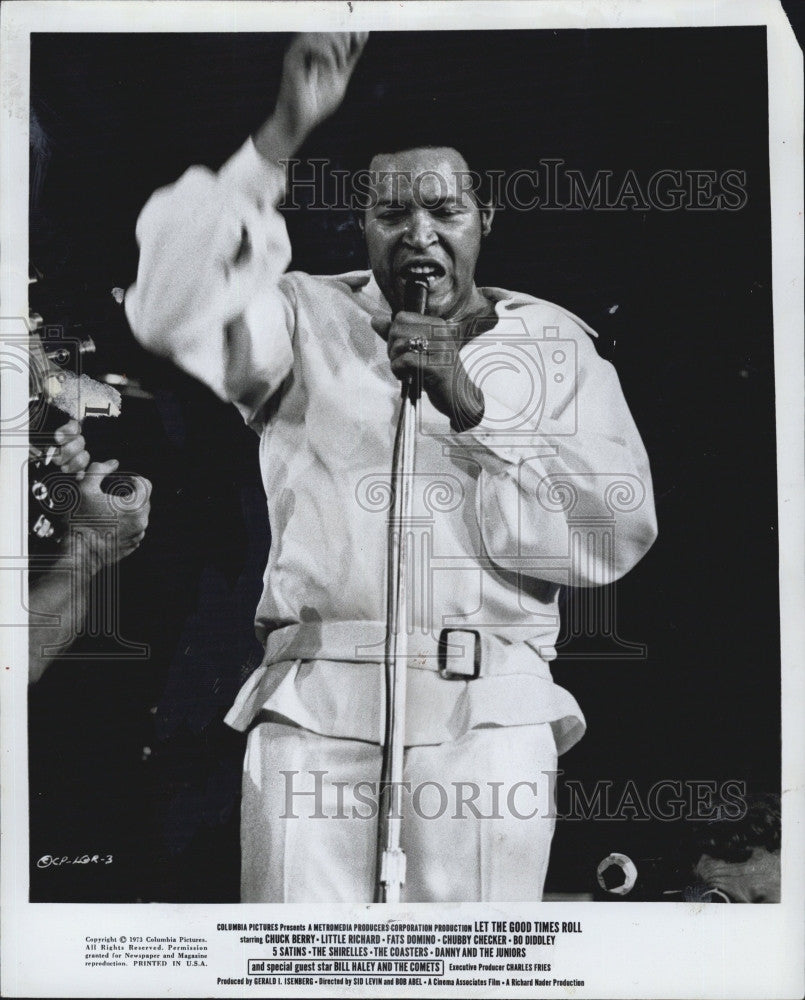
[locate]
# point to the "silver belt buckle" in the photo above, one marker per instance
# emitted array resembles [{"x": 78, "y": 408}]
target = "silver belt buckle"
[{"x": 444, "y": 660}]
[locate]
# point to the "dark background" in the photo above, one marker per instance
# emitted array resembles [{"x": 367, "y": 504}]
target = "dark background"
[{"x": 129, "y": 756}]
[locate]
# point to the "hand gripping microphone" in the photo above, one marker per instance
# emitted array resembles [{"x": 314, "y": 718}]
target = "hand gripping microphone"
[{"x": 415, "y": 300}]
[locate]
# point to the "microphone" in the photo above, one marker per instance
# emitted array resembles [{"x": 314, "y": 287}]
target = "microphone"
[
  {"x": 415, "y": 300},
  {"x": 416, "y": 296}
]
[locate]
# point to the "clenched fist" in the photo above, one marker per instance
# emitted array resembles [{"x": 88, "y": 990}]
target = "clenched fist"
[{"x": 426, "y": 349}]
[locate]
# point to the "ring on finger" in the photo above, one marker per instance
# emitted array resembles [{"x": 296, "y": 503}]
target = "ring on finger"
[{"x": 419, "y": 345}]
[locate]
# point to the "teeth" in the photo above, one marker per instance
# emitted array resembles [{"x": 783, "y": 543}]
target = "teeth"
[{"x": 426, "y": 270}]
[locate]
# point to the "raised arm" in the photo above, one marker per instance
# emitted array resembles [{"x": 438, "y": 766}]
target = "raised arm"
[
  {"x": 213, "y": 247},
  {"x": 315, "y": 75}
]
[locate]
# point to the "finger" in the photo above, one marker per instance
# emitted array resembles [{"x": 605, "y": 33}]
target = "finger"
[
  {"x": 67, "y": 431},
  {"x": 399, "y": 342},
  {"x": 401, "y": 335},
  {"x": 143, "y": 486},
  {"x": 398, "y": 345},
  {"x": 318, "y": 49},
  {"x": 103, "y": 468},
  {"x": 357, "y": 42},
  {"x": 355, "y": 46},
  {"x": 137, "y": 520},
  {"x": 69, "y": 450},
  {"x": 132, "y": 541},
  {"x": 352, "y": 45},
  {"x": 407, "y": 365},
  {"x": 340, "y": 47},
  {"x": 408, "y": 324},
  {"x": 77, "y": 464},
  {"x": 381, "y": 327}
]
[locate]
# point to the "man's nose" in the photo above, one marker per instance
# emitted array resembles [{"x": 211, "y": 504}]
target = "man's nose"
[{"x": 419, "y": 233}]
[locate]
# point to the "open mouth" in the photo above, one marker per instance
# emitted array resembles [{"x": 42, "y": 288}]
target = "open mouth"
[{"x": 429, "y": 271}]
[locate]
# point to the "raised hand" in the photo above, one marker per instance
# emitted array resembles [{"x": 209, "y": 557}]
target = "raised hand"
[{"x": 315, "y": 74}]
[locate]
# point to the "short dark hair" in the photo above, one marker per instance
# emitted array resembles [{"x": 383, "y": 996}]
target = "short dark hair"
[
  {"x": 395, "y": 127},
  {"x": 734, "y": 839}
]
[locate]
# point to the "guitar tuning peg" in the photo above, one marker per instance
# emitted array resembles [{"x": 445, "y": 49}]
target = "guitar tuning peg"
[{"x": 59, "y": 356}]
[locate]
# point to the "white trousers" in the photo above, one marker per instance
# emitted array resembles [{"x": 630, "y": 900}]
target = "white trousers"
[{"x": 478, "y": 816}]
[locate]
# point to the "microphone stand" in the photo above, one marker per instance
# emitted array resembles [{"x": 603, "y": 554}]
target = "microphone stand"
[{"x": 390, "y": 862}]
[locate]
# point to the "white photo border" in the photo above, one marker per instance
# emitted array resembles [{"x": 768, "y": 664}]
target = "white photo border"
[{"x": 643, "y": 950}]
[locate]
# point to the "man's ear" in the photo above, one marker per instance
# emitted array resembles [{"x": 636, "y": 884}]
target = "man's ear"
[
  {"x": 487, "y": 215},
  {"x": 359, "y": 215}
]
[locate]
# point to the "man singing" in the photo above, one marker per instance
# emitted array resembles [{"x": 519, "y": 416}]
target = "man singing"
[{"x": 525, "y": 449}]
